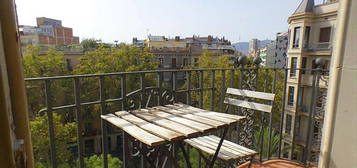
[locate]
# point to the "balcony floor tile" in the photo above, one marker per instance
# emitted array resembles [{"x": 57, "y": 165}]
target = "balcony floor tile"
[{"x": 274, "y": 164}]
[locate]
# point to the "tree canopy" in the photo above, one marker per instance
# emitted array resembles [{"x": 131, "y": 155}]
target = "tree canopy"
[
  {"x": 65, "y": 133},
  {"x": 123, "y": 58},
  {"x": 41, "y": 65},
  {"x": 90, "y": 43}
]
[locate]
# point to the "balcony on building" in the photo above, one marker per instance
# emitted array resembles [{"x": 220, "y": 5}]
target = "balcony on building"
[{"x": 187, "y": 90}]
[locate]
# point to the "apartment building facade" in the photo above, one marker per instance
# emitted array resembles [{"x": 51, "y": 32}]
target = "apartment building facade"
[
  {"x": 311, "y": 34},
  {"x": 253, "y": 47},
  {"x": 279, "y": 59},
  {"x": 274, "y": 54},
  {"x": 47, "y": 32},
  {"x": 171, "y": 52},
  {"x": 177, "y": 52}
]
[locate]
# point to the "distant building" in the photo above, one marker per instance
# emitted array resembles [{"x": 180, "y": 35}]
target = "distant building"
[
  {"x": 253, "y": 47},
  {"x": 274, "y": 54},
  {"x": 171, "y": 52},
  {"x": 138, "y": 43},
  {"x": 280, "y": 59},
  {"x": 312, "y": 29},
  {"x": 262, "y": 53},
  {"x": 47, "y": 32},
  {"x": 178, "y": 52},
  {"x": 270, "y": 54},
  {"x": 71, "y": 54}
]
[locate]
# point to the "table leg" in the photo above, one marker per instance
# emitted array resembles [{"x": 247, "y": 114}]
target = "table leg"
[
  {"x": 126, "y": 156},
  {"x": 218, "y": 147}
]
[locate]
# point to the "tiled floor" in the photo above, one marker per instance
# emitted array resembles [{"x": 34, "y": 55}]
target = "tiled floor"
[{"x": 273, "y": 164}]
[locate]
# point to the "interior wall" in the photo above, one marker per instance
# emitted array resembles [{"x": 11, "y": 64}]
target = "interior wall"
[{"x": 344, "y": 144}]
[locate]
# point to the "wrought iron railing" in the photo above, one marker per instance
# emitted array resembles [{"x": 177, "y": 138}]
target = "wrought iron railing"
[{"x": 204, "y": 88}]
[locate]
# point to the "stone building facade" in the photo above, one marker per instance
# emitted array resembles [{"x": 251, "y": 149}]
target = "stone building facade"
[{"x": 311, "y": 34}]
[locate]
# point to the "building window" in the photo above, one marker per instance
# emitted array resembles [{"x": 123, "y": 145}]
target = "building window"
[
  {"x": 314, "y": 65},
  {"x": 196, "y": 61},
  {"x": 307, "y": 36},
  {"x": 303, "y": 65},
  {"x": 185, "y": 61},
  {"x": 325, "y": 34},
  {"x": 297, "y": 126},
  {"x": 291, "y": 95},
  {"x": 296, "y": 37},
  {"x": 293, "y": 66},
  {"x": 297, "y": 155},
  {"x": 301, "y": 98},
  {"x": 288, "y": 123},
  {"x": 325, "y": 68},
  {"x": 161, "y": 62},
  {"x": 69, "y": 65},
  {"x": 286, "y": 150},
  {"x": 173, "y": 62}
]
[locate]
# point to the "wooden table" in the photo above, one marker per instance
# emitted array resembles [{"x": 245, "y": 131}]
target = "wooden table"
[{"x": 170, "y": 124}]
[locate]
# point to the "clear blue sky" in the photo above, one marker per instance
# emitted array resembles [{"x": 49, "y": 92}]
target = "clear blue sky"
[{"x": 121, "y": 20}]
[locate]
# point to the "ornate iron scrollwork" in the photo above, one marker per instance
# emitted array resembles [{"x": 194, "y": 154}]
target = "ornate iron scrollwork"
[
  {"x": 321, "y": 99},
  {"x": 135, "y": 101},
  {"x": 168, "y": 97},
  {"x": 246, "y": 133}
]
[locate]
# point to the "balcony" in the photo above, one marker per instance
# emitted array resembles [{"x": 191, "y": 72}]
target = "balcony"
[
  {"x": 308, "y": 79},
  {"x": 169, "y": 50},
  {"x": 203, "y": 88},
  {"x": 325, "y": 2},
  {"x": 303, "y": 110},
  {"x": 321, "y": 48}
]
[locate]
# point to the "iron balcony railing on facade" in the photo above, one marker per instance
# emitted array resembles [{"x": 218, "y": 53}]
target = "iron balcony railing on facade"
[
  {"x": 204, "y": 88},
  {"x": 321, "y": 46},
  {"x": 324, "y": 2}
]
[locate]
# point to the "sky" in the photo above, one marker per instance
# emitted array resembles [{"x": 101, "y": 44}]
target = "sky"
[{"x": 109, "y": 20}]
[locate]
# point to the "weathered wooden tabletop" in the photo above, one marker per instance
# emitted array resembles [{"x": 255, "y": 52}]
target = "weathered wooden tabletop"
[{"x": 165, "y": 124}]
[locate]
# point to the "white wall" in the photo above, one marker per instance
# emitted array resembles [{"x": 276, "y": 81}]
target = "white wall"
[{"x": 339, "y": 146}]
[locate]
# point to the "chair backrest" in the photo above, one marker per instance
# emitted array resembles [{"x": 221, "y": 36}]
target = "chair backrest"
[{"x": 248, "y": 104}]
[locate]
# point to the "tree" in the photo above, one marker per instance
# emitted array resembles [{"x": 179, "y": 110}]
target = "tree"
[
  {"x": 274, "y": 144},
  {"x": 51, "y": 63},
  {"x": 65, "y": 133},
  {"x": 96, "y": 161},
  {"x": 208, "y": 60},
  {"x": 90, "y": 43},
  {"x": 125, "y": 58}
]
